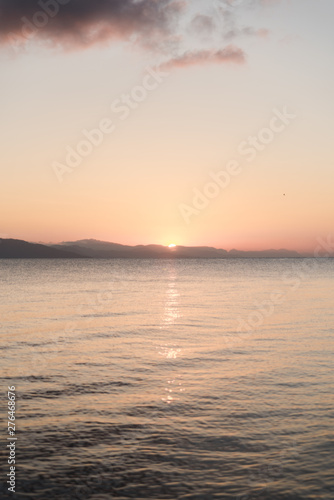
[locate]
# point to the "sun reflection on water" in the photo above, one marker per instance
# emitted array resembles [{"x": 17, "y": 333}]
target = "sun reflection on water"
[
  {"x": 171, "y": 350},
  {"x": 171, "y": 312},
  {"x": 172, "y": 389}
]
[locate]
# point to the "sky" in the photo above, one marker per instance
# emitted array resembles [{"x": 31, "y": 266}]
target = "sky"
[{"x": 172, "y": 121}]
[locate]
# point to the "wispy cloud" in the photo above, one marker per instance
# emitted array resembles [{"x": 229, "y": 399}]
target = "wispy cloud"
[{"x": 230, "y": 54}]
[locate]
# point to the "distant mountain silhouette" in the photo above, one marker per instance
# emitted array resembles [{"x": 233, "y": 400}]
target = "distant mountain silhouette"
[
  {"x": 16, "y": 249},
  {"x": 19, "y": 249},
  {"x": 107, "y": 250}
]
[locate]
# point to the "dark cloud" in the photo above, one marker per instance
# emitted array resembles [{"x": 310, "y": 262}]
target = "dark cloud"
[{"x": 86, "y": 21}]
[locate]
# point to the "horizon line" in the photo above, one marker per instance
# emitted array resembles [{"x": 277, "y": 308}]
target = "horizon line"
[{"x": 172, "y": 247}]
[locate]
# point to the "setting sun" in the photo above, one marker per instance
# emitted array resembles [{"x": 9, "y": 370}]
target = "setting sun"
[{"x": 172, "y": 245}]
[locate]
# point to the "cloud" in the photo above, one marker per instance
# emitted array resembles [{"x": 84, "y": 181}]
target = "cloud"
[
  {"x": 170, "y": 29},
  {"x": 290, "y": 39},
  {"x": 229, "y": 54},
  {"x": 86, "y": 21},
  {"x": 246, "y": 31},
  {"x": 202, "y": 24}
]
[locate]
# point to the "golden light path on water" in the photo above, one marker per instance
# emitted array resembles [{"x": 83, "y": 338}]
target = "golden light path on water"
[{"x": 170, "y": 317}]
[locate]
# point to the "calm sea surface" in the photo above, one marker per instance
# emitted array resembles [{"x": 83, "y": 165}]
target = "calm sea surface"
[{"x": 169, "y": 379}]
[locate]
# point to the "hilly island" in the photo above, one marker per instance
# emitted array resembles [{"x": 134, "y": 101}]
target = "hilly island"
[{"x": 95, "y": 249}]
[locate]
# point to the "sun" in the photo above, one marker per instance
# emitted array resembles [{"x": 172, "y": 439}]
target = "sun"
[{"x": 171, "y": 245}]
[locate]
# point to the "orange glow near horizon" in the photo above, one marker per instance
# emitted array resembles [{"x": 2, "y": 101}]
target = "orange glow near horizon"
[{"x": 168, "y": 150}]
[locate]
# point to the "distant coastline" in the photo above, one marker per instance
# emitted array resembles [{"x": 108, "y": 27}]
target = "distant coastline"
[{"x": 95, "y": 249}]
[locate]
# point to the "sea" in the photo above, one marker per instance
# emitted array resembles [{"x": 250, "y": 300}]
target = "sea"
[{"x": 168, "y": 379}]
